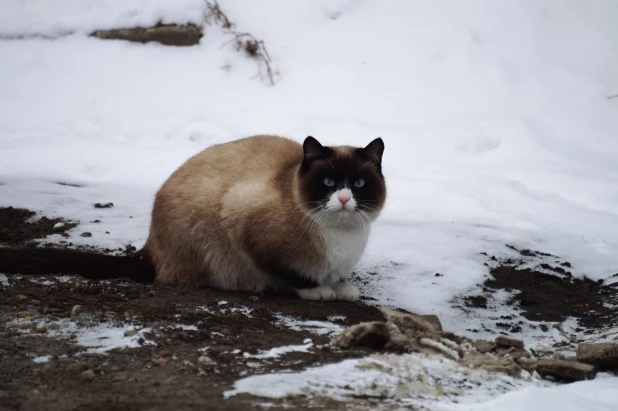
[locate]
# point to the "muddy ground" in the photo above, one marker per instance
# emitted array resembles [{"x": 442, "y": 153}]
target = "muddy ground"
[{"x": 197, "y": 342}]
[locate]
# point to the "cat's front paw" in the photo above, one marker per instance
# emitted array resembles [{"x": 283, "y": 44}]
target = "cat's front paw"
[
  {"x": 346, "y": 291},
  {"x": 323, "y": 292}
]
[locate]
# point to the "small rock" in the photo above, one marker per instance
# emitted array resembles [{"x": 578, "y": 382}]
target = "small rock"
[
  {"x": 103, "y": 205},
  {"x": 46, "y": 368},
  {"x": 603, "y": 355},
  {"x": 77, "y": 367},
  {"x": 76, "y": 310},
  {"x": 160, "y": 361},
  {"x": 217, "y": 350},
  {"x": 254, "y": 298},
  {"x": 204, "y": 359},
  {"x": 86, "y": 234},
  {"x": 507, "y": 342},
  {"x": 87, "y": 375},
  {"x": 565, "y": 370},
  {"x": 42, "y": 330},
  {"x": 226, "y": 331},
  {"x": 36, "y": 392},
  {"x": 372, "y": 334},
  {"x": 21, "y": 298},
  {"x": 23, "y": 313},
  {"x": 35, "y": 302},
  {"x": 130, "y": 333}
]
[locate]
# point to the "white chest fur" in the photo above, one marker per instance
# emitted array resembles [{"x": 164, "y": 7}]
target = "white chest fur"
[{"x": 343, "y": 248}]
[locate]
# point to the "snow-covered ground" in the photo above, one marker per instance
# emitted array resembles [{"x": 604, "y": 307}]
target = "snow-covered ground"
[{"x": 498, "y": 119}]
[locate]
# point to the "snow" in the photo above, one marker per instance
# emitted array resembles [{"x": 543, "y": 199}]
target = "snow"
[
  {"x": 496, "y": 119},
  {"x": 315, "y": 327},
  {"x": 278, "y": 351},
  {"x": 41, "y": 359},
  {"x": 600, "y": 395},
  {"x": 412, "y": 379},
  {"x": 97, "y": 338}
]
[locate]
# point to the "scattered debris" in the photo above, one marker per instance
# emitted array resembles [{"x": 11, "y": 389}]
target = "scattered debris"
[
  {"x": 374, "y": 335},
  {"x": 256, "y": 49}
]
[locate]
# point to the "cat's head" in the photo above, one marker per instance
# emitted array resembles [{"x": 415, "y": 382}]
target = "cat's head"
[{"x": 342, "y": 185}]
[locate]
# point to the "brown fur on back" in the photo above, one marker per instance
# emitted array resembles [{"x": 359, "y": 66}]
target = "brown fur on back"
[
  {"x": 235, "y": 213},
  {"x": 223, "y": 202}
]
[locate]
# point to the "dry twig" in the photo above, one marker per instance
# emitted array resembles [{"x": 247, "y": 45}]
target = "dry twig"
[{"x": 255, "y": 48}]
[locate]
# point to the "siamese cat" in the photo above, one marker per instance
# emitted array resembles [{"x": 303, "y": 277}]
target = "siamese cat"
[{"x": 256, "y": 214}]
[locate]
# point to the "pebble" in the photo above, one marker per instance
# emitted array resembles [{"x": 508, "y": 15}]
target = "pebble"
[
  {"x": 42, "y": 330},
  {"x": 254, "y": 298},
  {"x": 36, "y": 392},
  {"x": 76, "y": 310},
  {"x": 35, "y": 302},
  {"x": 160, "y": 361},
  {"x": 204, "y": 359},
  {"x": 21, "y": 298},
  {"x": 87, "y": 375},
  {"x": 130, "y": 333}
]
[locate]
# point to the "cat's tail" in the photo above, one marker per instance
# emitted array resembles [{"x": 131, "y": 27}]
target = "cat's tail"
[{"x": 43, "y": 261}]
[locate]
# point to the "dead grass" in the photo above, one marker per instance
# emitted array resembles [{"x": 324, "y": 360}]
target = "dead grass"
[{"x": 255, "y": 49}]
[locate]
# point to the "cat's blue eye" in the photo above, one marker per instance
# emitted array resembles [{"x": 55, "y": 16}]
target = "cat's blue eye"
[
  {"x": 359, "y": 183},
  {"x": 329, "y": 182}
]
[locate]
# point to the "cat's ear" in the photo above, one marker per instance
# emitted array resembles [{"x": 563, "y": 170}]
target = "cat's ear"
[
  {"x": 374, "y": 150},
  {"x": 313, "y": 150}
]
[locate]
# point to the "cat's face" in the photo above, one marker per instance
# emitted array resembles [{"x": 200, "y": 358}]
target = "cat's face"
[{"x": 342, "y": 185}]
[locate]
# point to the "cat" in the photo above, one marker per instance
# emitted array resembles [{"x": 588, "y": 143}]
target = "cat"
[{"x": 256, "y": 214}]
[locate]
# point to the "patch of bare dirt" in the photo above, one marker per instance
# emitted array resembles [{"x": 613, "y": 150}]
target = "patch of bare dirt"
[
  {"x": 167, "y": 34},
  {"x": 204, "y": 339},
  {"x": 18, "y": 226}
]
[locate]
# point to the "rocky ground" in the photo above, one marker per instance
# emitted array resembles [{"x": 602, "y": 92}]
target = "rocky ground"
[{"x": 71, "y": 344}]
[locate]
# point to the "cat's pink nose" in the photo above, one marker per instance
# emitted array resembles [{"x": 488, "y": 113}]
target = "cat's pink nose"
[{"x": 343, "y": 200}]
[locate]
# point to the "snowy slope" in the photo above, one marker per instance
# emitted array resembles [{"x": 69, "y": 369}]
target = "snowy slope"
[{"x": 496, "y": 118}]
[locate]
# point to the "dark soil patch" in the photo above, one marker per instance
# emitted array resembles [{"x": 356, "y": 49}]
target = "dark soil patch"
[
  {"x": 476, "y": 301},
  {"x": 186, "y": 324},
  {"x": 167, "y": 34},
  {"x": 15, "y": 228},
  {"x": 547, "y": 297}
]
